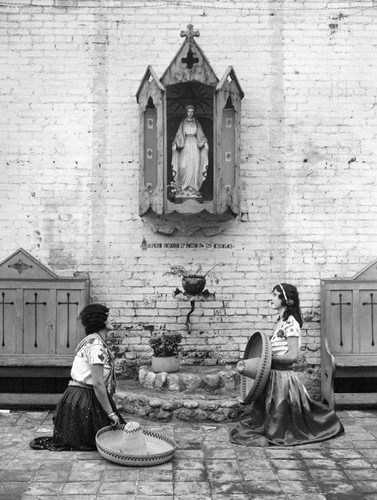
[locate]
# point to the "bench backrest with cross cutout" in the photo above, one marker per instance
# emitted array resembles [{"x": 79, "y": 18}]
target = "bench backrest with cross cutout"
[
  {"x": 39, "y": 323},
  {"x": 349, "y": 317}
]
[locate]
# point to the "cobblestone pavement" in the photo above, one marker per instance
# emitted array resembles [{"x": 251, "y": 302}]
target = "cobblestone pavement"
[{"x": 206, "y": 466}]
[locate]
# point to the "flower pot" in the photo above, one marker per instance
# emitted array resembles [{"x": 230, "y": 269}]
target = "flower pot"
[
  {"x": 193, "y": 285},
  {"x": 169, "y": 364}
]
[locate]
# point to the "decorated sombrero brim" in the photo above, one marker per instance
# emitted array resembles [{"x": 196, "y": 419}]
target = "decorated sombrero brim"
[
  {"x": 139, "y": 447},
  {"x": 255, "y": 367}
]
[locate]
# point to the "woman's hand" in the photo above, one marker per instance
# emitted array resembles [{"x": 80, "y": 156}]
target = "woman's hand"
[
  {"x": 174, "y": 146},
  {"x": 206, "y": 146},
  {"x": 114, "y": 419}
]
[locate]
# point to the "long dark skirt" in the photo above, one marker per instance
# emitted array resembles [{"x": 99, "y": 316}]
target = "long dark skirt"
[
  {"x": 79, "y": 416},
  {"x": 285, "y": 415}
]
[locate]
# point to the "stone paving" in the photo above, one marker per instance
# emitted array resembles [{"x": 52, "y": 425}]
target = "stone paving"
[{"x": 206, "y": 466}]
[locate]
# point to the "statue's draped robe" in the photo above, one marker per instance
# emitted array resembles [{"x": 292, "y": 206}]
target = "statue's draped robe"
[{"x": 190, "y": 159}]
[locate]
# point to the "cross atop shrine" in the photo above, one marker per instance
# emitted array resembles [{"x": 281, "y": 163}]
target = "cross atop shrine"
[{"x": 190, "y": 33}]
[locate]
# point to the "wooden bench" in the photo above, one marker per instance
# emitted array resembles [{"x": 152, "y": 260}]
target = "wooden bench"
[
  {"x": 39, "y": 326},
  {"x": 349, "y": 340}
]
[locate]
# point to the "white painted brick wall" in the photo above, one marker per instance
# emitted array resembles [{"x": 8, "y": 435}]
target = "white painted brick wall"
[{"x": 69, "y": 155}]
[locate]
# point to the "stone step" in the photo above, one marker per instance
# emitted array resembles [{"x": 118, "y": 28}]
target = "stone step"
[
  {"x": 191, "y": 379},
  {"x": 219, "y": 405}
]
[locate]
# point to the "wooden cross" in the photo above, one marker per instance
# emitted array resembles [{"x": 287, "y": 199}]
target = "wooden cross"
[
  {"x": 371, "y": 304},
  {"x": 340, "y": 304},
  {"x": 3, "y": 303},
  {"x": 68, "y": 303},
  {"x": 35, "y": 304},
  {"x": 190, "y": 33}
]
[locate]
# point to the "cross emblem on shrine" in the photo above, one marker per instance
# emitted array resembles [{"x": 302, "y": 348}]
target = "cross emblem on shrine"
[{"x": 190, "y": 58}]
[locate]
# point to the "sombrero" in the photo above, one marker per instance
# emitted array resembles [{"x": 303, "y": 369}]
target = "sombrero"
[
  {"x": 255, "y": 367},
  {"x": 131, "y": 445}
]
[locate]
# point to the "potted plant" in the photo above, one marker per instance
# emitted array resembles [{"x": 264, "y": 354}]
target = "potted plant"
[
  {"x": 193, "y": 281},
  {"x": 165, "y": 351}
]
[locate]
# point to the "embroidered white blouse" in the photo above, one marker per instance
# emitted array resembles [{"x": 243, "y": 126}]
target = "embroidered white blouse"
[
  {"x": 93, "y": 352},
  {"x": 283, "y": 330}
]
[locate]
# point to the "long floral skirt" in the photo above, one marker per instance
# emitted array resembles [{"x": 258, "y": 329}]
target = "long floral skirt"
[
  {"x": 79, "y": 416},
  {"x": 285, "y": 415}
]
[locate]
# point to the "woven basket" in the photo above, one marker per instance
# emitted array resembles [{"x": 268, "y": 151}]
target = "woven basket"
[{"x": 109, "y": 444}]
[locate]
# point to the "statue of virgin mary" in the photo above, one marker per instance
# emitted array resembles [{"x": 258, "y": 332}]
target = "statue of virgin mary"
[{"x": 190, "y": 156}]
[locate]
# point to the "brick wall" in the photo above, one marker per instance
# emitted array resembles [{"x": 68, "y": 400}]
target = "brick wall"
[{"x": 69, "y": 157}]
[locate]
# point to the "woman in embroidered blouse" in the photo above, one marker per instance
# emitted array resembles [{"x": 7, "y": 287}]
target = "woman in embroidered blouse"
[
  {"x": 87, "y": 404},
  {"x": 284, "y": 414}
]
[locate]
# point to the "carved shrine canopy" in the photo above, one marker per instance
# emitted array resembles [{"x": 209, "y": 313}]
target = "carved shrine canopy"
[
  {"x": 189, "y": 163},
  {"x": 39, "y": 323}
]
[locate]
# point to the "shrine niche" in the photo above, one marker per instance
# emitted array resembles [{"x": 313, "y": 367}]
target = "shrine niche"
[
  {"x": 39, "y": 325},
  {"x": 189, "y": 137}
]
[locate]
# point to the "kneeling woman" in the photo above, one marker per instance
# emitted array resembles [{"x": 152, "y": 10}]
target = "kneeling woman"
[
  {"x": 87, "y": 404},
  {"x": 284, "y": 414}
]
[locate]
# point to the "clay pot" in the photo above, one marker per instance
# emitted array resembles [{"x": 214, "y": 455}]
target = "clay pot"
[
  {"x": 193, "y": 285},
  {"x": 169, "y": 364}
]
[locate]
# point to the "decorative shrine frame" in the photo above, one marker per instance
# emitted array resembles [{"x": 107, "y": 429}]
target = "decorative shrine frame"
[{"x": 189, "y": 79}]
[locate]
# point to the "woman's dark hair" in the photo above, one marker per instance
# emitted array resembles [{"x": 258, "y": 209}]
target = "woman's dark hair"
[
  {"x": 288, "y": 295},
  {"x": 94, "y": 317}
]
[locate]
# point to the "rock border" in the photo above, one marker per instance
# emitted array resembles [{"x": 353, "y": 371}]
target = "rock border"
[
  {"x": 189, "y": 381},
  {"x": 198, "y": 408}
]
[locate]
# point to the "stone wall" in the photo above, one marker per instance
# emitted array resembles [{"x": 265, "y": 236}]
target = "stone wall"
[{"x": 70, "y": 70}]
